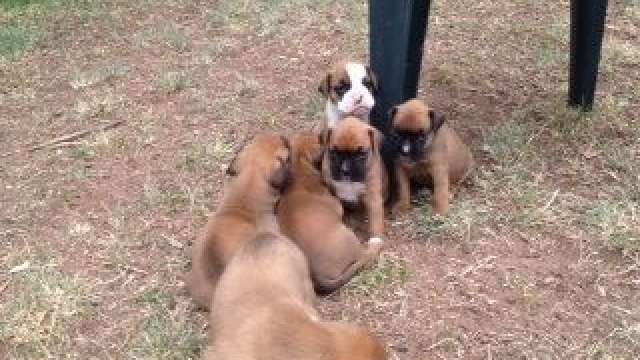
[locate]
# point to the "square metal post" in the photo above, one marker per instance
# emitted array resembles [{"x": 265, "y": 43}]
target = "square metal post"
[
  {"x": 587, "y": 31},
  {"x": 397, "y": 30}
]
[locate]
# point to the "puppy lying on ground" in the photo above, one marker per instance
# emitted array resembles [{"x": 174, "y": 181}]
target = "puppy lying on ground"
[
  {"x": 349, "y": 88},
  {"x": 353, "y": 170},
  {"x": 310, "y": 216},
  {"x": 259, "y": 173},
  {"x": 263, "y": 310},
  {"x": 429, "y": 152}
]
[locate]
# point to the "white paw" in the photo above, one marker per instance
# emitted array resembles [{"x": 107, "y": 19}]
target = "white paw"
[{"x": 375, "y": 240}]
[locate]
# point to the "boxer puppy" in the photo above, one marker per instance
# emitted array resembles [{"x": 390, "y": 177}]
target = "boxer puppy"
[
  {"x": 259, "y": 173},
  {"x": 349, "y": 88},
  {"x": 263, "y": 309},
  {"x": 352, "y": 168},
  {"x": 310, "y": 216},
  {"x": 429, "y": 152}
]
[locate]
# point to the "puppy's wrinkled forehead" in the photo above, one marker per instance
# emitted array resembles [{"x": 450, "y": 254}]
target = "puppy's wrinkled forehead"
[
  {"x": 411, "y": 116},
  {"x": 351, "y": 135}
]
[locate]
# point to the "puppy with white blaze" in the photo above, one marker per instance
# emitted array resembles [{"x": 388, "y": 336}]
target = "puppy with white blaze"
[{"x": 349, "y": 88}]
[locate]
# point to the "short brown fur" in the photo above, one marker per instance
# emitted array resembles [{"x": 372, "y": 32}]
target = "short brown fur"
[
  {"x": 263, "y": 309},
  {"x": 310, "y": 216},
  {"x": 447, "y": 160},
  {"x": 259, "y": 172},
  {"x": 352, "y": 134}
]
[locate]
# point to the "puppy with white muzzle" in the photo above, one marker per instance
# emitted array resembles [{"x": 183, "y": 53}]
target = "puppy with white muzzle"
[{"x": 349, "y": 88}]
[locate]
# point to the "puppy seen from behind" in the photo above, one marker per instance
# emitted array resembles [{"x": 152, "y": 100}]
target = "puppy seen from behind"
[
  {"x": 259, "y": 173},
  {"x": 263, "y": 309}
]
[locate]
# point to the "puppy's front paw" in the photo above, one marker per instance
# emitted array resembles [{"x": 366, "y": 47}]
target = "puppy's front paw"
[{"x": 375, "y": 243}]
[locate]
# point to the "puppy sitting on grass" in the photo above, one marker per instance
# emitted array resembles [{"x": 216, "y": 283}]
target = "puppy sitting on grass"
[
  {"x": 430, "y": 152},
  {"x": 310, "y": 216},
  {"x": 259, "y": 173},
  {"x": 353, "y": 170},
  {"x": 263, "y": 310}
]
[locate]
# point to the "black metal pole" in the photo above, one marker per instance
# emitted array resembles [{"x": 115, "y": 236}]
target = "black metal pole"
[
  {"x": 587, "y": 31},
  {"x": 396, "y": 38}
]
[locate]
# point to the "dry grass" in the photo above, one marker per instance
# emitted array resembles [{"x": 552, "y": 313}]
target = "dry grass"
[
  {"x": 40, "y": 319},
  {"x": 538, "y": 257}
]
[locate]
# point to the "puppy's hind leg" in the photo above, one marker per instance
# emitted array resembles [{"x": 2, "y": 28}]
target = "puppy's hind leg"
[
  {"x": 441, "y": 190},
  {"x": 326, "y": 286}
]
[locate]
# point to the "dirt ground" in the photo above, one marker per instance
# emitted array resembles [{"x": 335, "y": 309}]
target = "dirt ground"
[{"x": 538, "y": 259}]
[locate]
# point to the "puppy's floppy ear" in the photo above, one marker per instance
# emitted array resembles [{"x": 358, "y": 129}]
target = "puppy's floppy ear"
[
  {"x": 437, "y": 119},
  {"x": 325, "y": 85},
  {"x": 281, "y": 176},
  {"x": 374, "y": 79}
]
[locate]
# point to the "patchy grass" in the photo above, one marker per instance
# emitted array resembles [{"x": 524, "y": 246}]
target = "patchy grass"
[
  {"x": 616, "y": 222},
  {"x": 13, "y": 41},
  {"x": 463, "y": 217},
  {"x": 166, "y": 333},
  {"x": 92, "y": 106},
  {"x": 37, "y": 321},
  {"x": 168, "y": 197},
  {"x": 623, "y": 342},
  {"x": 205, "y": 154},
  {"x": 81, "y": 79},
  {"x": 164, "y": 34},
  {"x": 27, "y": 24},
  {"x": 171, "y": 82},
  {"x": 388, "y": 270}
]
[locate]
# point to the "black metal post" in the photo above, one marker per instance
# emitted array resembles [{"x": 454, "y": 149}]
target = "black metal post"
[
  {"x": 397, "y": 30},
  {"x": 587, "y": 31}
]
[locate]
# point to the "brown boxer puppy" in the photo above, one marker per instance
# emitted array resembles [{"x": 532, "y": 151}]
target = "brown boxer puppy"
[
  {"x": 353, "y": 170},
  {"x": 263, "y": 309},
  {"x": 259, "y": 172},
  {"x": 430, "y": 152},
  {"x": 310, "y": 216}
]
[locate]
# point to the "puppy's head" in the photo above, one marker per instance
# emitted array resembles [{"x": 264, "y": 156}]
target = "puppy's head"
[
  {"x": 414, "y": 126},
  {"x": 350, "y": 87},
  {"x": 355, "y": 343},
  {"x": 267, "y": 156},
  {"x": 350, "y": 147}
]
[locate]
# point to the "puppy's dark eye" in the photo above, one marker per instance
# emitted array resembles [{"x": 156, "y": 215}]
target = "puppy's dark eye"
[
  {"x": 367, "y": 83},
  {"x": 341, "y": 88}
]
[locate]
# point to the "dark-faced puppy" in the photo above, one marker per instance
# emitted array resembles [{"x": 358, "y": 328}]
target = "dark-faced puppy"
[
  {"x": 310, "y": 216},
  {"x": 259, "y": 173},
  {"x": 353, "y": 169},
  {"x": 429, "y": 151},
  {"x": 263, "y": 309},
  {"x": 349, "y": 88}
]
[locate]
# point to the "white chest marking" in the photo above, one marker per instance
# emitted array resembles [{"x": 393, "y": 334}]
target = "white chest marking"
[{"x": 349, "y": 191}]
